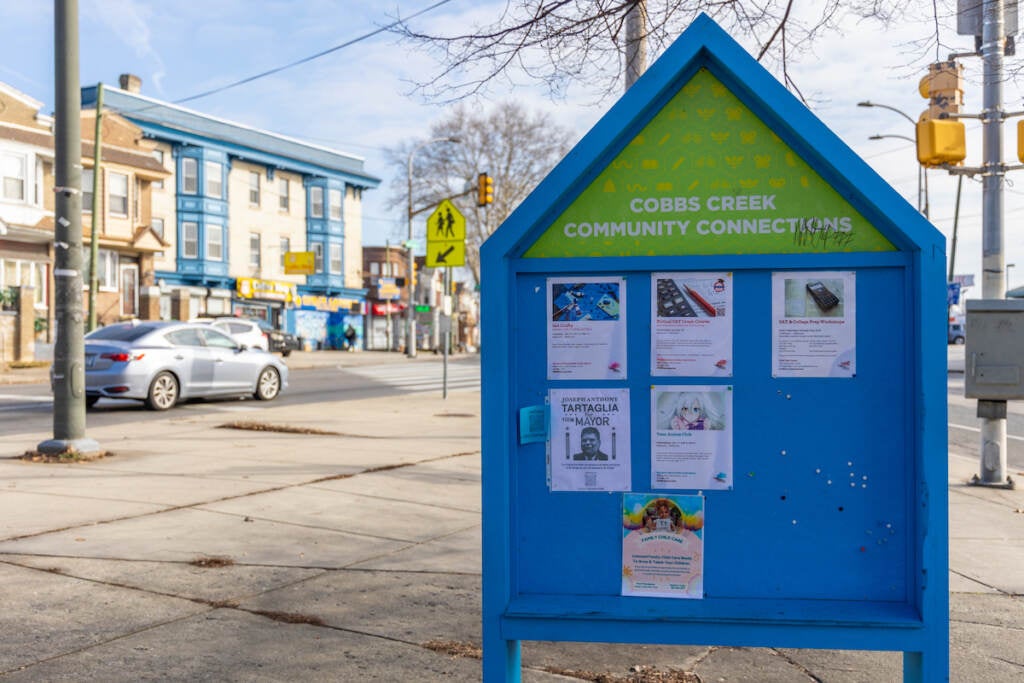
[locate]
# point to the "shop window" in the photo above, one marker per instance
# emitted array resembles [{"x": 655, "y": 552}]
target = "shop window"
[
  {"x": 189, "y": 175},
  {"x": 214, "y": 181},
  {"x": 190, "y": 239}
]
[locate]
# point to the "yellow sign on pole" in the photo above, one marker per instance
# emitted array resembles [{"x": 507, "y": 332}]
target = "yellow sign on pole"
[
  {"x": 299, "y": 263},
  {"x": 446, "y": 236}
]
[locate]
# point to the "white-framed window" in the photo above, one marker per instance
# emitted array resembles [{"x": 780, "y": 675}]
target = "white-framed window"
[
  {"x": 374, "y": 268},
  {"x": 12, "y": 168},
  {"x": 158, "y": 154},
  {"x": 157, "y": 224},
  {"x": 88, "y": 179},
  {"x": 214, "y": 242},
  {"x": 282, "y": 194},
  {"x": 15, "y": 272},
  {"x": 254, "y": 188},
  {"x": 316, "y": 202},
  {"x": 335, "y": 264},
  {"x": 189, "y": 175},
  {"x": 190, "y": 239},
  {"x": 334, "y": 201},
  {"x": 117, "y": 193},
  {"x": 318, "y": 257},
  {"x": 106, "y": 268},
  {"x": 214, "y": 181},
  {"x": 254, "y": 249},
  {"x": 285, "y": 244}
]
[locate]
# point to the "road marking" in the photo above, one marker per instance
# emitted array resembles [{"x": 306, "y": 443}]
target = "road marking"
[
  {"x": 976, "y": 430},
  {"x": 26, "y": 399}
]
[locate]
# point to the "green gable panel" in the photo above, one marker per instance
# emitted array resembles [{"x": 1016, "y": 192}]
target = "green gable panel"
[{"x": 707, "y": 176}]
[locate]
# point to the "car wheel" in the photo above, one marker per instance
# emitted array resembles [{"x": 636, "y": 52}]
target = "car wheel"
[
  {"x": 958, "y": 340},
  {"x": 163, "y": 392},
  {"x": 90, "y": 401},
  {"x": 268, "y": 385}
]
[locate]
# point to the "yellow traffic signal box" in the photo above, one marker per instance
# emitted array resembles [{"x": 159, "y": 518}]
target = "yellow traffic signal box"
[{"x": 940, "y": 141}]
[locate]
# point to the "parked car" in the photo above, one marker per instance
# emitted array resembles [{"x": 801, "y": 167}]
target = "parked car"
[
  {"x": 956, "y": 334},
  {"x": 243, "y": 331},
  {"x": 279, "y": 340},
  {"x": 162, "y": 363},
  {"x": 254, "y": 333}
]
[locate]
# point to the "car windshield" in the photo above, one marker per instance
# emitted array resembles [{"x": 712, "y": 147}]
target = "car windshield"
[{"x": 120, "y": 332}]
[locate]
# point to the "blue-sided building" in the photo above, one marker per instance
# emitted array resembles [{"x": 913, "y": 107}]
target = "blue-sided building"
[
  {"x": 714, "y": 385},
  {"x": 238, "y": 200}
]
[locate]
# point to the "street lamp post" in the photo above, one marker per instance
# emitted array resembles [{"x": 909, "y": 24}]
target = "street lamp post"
[
  {"x": 922, "y": 176},
  {"x": 410, "y": 321}
]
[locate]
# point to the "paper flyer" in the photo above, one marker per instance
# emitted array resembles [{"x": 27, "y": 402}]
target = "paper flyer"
[
  {"x": 814, "y": 330},
  {"x": 691, "y": 318},
  {"x": 590, "y": 440},
  {"x": 586, "y": 328},
  {"x": 662, "y": 546},
  {"x": 691, "y": 437}
]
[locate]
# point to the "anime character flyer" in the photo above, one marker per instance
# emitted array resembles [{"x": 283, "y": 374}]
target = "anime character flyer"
[
  {"x": 691, "y": 316},
  {"x": 590, "y": 440},
  {"x": 586, "y": 328},
  {"x": 814, "y": 331},
  {"x": 662, "y": 545},
  {"x": 691, "y": 437}
]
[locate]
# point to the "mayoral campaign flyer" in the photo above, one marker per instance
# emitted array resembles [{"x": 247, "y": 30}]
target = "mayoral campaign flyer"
[
  {"x": 590, "y": 440},
  {"x": 662, "y": 546},
  {"x": 586, "y": 328},
  {"x": 814, "y": 328},
  {"x": 691, "y": 315},
  {"x": 691, "y": 437}
]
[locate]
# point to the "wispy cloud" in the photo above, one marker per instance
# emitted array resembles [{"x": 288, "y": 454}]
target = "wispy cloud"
[{"x": 130, "y": 21}]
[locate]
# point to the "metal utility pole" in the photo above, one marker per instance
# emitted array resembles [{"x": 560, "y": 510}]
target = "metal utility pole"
[
  {"x": 69, "y": 349},
  {"x": 636, "y": 42},
  {"x": 993, "y": 277},
  {"x": 94, "y": 236}
]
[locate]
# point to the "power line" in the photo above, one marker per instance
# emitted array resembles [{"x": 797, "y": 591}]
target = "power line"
[{"x": 310, "y": 58}]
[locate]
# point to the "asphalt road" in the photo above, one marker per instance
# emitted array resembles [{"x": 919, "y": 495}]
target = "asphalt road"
[{"x": 28, "y": 407}]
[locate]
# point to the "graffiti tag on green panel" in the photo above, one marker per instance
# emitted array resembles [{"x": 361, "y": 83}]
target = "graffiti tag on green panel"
[{"x": 706, "y": 176}]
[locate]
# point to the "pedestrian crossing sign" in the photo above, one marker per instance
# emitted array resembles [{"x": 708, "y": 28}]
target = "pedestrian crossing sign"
[{"x": 446, "y": 236}]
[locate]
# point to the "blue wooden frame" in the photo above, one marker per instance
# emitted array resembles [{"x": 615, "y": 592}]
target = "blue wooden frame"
[{"x": 917, "y": 623}]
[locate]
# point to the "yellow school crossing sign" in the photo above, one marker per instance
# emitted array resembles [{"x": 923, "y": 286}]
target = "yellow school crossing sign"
[{"x": 446, "y": 236}]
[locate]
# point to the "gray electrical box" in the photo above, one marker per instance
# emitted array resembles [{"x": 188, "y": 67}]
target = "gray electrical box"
[{"x": 994, "y": 357}]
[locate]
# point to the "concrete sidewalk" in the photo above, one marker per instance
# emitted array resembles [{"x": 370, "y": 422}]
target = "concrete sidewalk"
[{"x": 197, "y": 552}]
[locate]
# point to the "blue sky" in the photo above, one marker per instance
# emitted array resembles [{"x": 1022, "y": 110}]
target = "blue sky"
[{"x": 358, "y": 99}]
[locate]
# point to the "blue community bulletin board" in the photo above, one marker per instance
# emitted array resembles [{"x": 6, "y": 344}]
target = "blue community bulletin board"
[{"x": 714, "y": 385}]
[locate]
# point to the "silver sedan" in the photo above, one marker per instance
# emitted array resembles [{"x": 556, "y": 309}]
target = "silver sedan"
[{"x": 162, "y": 363}]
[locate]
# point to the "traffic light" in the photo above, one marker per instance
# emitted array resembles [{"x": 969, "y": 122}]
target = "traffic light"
[
  {"x": 484, "y": 189},
  {"x": 943, "y": 87},
  {"x": 940, "y": 139}
]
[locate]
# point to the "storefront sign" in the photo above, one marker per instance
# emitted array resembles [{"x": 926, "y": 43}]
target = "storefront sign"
[
  {"x": 299, "y": 263},
  {"x": 331, "y": 304},
  {"x": 269, "y": 290}
]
